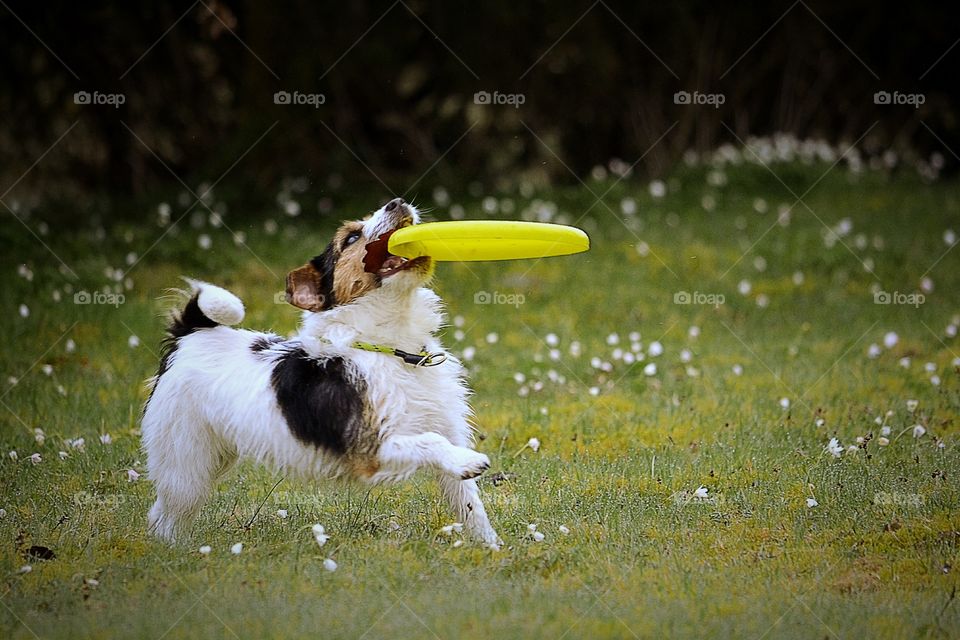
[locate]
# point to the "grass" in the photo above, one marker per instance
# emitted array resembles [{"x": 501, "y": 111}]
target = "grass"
[{"x": 877, "y": 556}]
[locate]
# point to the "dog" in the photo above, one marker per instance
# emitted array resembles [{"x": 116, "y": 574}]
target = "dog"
[{"x": 361, "y": 392}]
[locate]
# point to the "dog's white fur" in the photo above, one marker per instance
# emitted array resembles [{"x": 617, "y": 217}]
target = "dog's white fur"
[{"x": 215, "y": 402}]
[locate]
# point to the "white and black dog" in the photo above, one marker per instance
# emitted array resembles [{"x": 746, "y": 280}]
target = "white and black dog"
[{"x": 349, "y": 396}]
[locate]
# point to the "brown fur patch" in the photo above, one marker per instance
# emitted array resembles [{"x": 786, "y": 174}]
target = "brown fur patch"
[{"x": 350, "y": 281}]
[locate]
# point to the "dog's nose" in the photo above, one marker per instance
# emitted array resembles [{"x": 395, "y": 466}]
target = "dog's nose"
[{"x": 393, "y": 204}]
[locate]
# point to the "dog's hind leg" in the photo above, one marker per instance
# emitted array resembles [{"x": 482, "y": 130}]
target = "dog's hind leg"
[
  {"x": 183, "y": 461},
  {"x": 464, "y": 499}
]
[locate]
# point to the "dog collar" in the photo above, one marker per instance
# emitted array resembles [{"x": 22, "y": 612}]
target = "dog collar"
[{"x": 420, "y": 359}]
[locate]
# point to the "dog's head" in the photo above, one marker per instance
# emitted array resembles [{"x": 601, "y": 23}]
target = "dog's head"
[{"x": 356, "y": 262}]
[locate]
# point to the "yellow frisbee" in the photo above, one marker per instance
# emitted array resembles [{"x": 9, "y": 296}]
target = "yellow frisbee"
[{"x": 473, "y": 240}]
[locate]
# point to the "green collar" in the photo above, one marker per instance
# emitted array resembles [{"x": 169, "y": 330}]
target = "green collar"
[{"x": 420, "y": 359}]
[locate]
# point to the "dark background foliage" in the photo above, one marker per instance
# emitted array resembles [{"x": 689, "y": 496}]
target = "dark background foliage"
[{"x": 399, "y": 78}]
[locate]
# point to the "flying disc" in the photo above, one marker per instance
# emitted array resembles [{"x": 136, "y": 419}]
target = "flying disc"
[{"x": 473, "y": 240}]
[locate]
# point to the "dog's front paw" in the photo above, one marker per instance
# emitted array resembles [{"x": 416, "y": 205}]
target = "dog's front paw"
[{"x": 468, "y": 464}]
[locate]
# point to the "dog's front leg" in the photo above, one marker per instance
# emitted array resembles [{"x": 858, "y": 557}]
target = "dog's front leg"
[
  {"x": 400, "y": 456},
  {"x": 464, "y": 499}
]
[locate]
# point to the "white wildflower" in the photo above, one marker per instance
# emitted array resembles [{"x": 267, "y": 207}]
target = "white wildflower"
[
  {"x": 834, "y": 448},
  {"x": 330, "y": 565},
  {"x": 319, "y": 534}
]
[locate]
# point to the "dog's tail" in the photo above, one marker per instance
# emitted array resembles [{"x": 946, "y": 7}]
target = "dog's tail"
[{"x": 208, "y": 307}]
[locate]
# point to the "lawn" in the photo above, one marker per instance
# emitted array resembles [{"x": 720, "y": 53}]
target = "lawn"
[{"x": 684, "y": 447}]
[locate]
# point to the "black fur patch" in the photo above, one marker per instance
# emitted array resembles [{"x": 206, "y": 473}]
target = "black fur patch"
[
  {"x": 264, "y": 342},
  {"x": 182, "y": 324},
  {"x": 325, "y": 263},
  {"x": 321, "y": 406}
]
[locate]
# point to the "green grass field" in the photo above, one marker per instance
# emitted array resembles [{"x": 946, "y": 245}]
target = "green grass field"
[{"x": 768, "y": 363}]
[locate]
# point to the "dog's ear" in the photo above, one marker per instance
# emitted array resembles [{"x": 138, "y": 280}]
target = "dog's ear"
[{"x": 306, "y": 288}]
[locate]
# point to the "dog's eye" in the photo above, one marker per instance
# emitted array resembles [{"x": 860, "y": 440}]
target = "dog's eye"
[{"x": 350, "y": 239}]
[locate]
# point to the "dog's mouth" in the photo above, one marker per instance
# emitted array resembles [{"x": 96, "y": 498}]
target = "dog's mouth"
[{"x": 380, "y": 261}]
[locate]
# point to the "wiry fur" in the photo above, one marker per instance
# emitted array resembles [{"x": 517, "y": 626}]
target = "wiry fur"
[{"x": 214, "y": 399}]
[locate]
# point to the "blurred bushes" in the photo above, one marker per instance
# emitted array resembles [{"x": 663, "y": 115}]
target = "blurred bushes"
[{"x": 399, "y": 79}]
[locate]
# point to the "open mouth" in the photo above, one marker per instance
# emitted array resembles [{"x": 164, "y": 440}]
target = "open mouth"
[{"x": 380, "y": 261}]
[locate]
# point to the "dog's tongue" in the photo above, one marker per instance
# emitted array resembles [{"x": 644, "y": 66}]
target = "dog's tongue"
[
  {"x": 392, "y": 262},
  {"x": 377, "y": 254}
]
